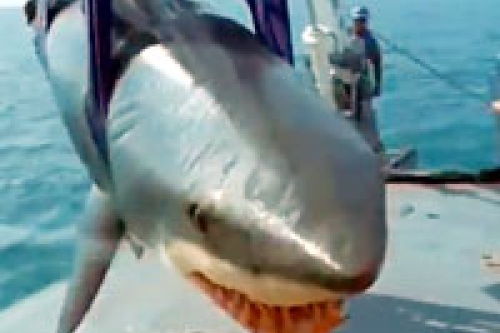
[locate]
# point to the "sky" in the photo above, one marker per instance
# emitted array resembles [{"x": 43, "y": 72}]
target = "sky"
[{"x": 12, "y": 3}]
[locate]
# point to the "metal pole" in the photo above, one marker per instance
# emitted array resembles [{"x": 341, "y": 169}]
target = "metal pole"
[{"x": 312, "y": 13}]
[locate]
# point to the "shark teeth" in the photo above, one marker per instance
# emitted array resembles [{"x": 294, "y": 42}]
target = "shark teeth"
[{"x": 320, "y": 317}]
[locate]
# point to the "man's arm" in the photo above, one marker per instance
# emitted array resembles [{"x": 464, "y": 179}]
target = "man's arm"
[
  {"x": 377, "y": 64},
  {"x": 375, "y": 56}
]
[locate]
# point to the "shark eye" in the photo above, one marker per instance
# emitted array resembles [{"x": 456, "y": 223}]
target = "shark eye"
[
  {"x": 198, "y": 217},
  {"x": 192, "y": 210}
]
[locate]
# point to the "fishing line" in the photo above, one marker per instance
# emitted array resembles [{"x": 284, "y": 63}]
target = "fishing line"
[{"x": 436, "y": 73}]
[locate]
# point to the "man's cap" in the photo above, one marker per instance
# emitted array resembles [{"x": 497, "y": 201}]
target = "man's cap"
[{"x": 360, "y": 13}]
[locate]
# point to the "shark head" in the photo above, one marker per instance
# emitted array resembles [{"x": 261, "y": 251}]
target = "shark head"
[{"x": 253, "y": 186}]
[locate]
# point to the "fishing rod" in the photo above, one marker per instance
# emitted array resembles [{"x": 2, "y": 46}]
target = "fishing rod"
[{"x": 484, "y": 99}]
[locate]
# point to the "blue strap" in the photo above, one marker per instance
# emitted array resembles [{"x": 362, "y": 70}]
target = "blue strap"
[
  {"x": 99, "y": 18},
  {"x": 272, "y": 25}
]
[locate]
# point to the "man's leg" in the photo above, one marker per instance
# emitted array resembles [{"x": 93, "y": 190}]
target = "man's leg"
[{"x": 368, "y": 127}]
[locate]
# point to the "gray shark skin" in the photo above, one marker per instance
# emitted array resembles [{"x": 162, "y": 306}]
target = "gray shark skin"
[{"x": 220, "y": 159}]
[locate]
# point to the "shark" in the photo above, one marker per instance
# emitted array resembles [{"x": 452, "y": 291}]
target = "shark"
[{"x": 217, "y": 156}]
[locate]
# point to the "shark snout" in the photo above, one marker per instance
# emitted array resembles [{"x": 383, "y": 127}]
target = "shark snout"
[{"x": 332, "y": 258}]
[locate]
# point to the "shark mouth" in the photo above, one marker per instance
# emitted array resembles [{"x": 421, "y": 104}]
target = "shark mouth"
[{"x": 319, "y": 317}]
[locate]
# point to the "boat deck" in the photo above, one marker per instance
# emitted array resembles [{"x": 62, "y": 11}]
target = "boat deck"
[
  {"x": 441, "y": 276},
  {"x": 442, "y": 272}
]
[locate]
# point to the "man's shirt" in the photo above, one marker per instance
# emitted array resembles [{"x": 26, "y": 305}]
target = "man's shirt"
[
  {"x": 372, "y": 53},
  {"x": 372, "y": 48}
]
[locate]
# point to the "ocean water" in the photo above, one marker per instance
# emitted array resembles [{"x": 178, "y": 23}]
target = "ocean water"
[{"x": 43, "y": 185}]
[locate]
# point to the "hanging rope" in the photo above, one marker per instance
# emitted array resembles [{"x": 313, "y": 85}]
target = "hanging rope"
[
  {"x": 272, "y": 26},
  {"x": 483, "y": 98}
]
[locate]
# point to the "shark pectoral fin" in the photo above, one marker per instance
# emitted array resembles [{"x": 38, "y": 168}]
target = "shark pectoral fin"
[{"x": 100, "y": 235}]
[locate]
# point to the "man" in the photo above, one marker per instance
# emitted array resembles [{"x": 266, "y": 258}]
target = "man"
[
  {"x": 369, "y": 85},
  {"x": 360, "y": 16}
]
